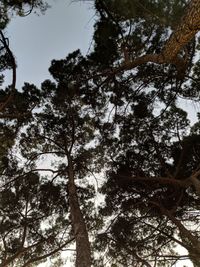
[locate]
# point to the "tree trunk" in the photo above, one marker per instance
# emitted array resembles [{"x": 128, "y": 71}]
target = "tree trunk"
[
  {"x": 182, "y": 35},
  {"x": 83, "y": 252}
]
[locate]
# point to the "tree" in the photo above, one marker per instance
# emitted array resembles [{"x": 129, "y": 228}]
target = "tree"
[
  {"x": 144, "y": 146},
  {"x": 147, "y": 191},
  {"x": 65, "y": 128},
  {"x": 28, "y": 203}
]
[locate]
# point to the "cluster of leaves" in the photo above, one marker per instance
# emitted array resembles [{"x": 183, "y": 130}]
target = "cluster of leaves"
[{"x": 129, "y": 124}]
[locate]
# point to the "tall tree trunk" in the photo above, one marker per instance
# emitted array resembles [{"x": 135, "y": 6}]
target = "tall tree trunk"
[
  {"x": 184, "y": 33},
  {"x": 83, "y": 252}
]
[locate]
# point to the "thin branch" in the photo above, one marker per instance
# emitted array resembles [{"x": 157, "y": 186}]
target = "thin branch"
[{"x": 25, "y": 174}]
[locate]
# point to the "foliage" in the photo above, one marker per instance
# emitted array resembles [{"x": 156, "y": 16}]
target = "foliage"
[{"x": 92, "y": 119}]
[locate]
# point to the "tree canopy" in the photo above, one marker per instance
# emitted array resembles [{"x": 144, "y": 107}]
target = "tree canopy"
[{"x": 102, "y": 159}]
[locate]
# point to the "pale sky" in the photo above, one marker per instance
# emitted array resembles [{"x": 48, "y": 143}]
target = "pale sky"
[{"x": 36, "y": 40}]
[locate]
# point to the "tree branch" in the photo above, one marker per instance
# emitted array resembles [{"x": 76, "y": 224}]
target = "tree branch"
[
  {"x": 170, "y": 54},
  {"x": 14, "y": 67}
]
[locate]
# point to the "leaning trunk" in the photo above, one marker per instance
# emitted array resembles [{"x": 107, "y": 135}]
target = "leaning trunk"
[
  {"x": 83, "y": 252},
  {"x": 170, "y": 54},
  {"x": 185, "y": 32}
]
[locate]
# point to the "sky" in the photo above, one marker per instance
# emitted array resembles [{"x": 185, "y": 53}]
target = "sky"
[{"x": 37, "y": 39}]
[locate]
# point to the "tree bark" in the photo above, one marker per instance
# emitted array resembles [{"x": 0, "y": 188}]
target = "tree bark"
[
  {"x": 184, "y": 33},
  {"x": 170, "y": 54},
  {"x": 191, "y": 241},
  {"x": 83, "y": 251}
]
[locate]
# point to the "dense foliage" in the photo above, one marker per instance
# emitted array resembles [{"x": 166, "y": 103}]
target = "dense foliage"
[{"x": 104, "y": 121}]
